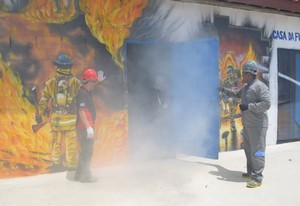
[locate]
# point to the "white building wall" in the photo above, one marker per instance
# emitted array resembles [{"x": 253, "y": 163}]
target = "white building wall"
[{"x": 269, "y": 22}]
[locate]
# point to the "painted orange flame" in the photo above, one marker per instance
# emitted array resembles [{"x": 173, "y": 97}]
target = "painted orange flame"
[
  {"x": 251, "y": 55},
  {"x": 21, "y": 151},
  {"x": 111, "y": 146},
  {"x": 110, "y": 21},
  {"x": 50, "y": 11},
  {"x": 230, "y": 60}
]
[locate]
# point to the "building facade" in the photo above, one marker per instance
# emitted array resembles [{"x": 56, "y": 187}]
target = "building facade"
[{"x": 163, "y": 63}]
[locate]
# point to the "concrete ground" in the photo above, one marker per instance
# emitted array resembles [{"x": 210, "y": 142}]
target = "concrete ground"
[{"x": 185, "y": 181}]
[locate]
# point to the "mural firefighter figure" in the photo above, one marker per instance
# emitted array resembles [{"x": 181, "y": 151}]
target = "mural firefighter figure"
[
  {"x": 60, "y": 93},
  {"x": 233, "y": 81},
  {"x": 255, "y": 101}
]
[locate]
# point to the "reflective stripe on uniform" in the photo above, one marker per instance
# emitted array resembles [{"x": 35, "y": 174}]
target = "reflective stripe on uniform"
[{"x": 259, "y": 154}]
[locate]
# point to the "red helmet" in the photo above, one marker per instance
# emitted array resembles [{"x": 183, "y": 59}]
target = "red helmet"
[{"x": 90, "y": 75}]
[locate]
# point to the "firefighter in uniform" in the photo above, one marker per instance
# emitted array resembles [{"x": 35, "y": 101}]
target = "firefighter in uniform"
[{"x": 60, "y": 93}]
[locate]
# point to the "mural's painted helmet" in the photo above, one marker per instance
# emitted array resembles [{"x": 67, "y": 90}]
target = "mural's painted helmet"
[
  {"x": 250, "y": 67},
  {"x": 63, "y": 61},
  {"x": 90, "y": 75},
  {"x": 229, "y": 70}
]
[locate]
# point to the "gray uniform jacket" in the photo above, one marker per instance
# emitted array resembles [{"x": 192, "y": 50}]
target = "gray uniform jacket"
[{"x": 256, "y": 95}]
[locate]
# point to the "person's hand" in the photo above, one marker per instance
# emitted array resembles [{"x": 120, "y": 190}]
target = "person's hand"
[
  {"x": 38, "y": 119},
  {"x": 243, "y": 107},
  {"x": 90, "y": 133}
]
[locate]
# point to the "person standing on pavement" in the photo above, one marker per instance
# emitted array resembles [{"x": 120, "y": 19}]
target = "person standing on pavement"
[
  {"x": 85, "y": 125},
  {"x": 255, "y": 101}
]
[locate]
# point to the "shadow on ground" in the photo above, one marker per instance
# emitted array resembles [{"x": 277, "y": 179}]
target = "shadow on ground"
[{"x": 225, "y": 174}]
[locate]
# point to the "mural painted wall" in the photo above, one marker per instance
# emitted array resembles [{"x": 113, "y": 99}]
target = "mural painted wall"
[
  {"x": 170, "y": 54},
  {"x": 238, "y": 45},
  {"x": 275, "y": 46},
  {"x": 33, "y": 34}
]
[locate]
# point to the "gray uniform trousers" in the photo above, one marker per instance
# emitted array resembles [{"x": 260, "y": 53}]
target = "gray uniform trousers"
[
  {"x": 255, "y": 122},
  {"x": 255, "y": 147}
]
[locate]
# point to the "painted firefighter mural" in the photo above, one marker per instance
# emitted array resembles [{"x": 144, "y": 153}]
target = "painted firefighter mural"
[
  {"x": 34, "y": 35},
  {"x": 236, "y": 48},
  {"x": 61, "y": 92}
]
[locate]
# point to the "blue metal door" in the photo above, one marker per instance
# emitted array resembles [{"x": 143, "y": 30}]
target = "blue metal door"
[
  {"x": 188, "y": 122},
  {"x": 195, "y": 97}
]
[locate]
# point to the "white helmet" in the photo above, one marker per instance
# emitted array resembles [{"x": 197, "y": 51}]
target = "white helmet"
[{"x": 250, "y": 67}]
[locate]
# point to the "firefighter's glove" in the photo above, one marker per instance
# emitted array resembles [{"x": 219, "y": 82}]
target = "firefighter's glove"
[
  {"x": 243, "y": 107},
  {"x": 38, "y": 119},
  {"x": 90, "y": 133}
]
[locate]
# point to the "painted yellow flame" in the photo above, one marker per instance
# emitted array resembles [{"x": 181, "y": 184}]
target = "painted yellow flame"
[
  {"x": 21, "y": 151},
  {"x": 112, "y": 144},
  {"x": 230, "y": 60},
  {"x": 110, "y": 21},
  {"x": 250, "y": 55},
  {"x": 50, "y": 11}
]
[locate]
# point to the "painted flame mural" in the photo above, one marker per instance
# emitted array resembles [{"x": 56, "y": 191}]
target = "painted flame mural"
[
  {"x": 27, "y": 38},
  {"x": 230, "y": 76},
  {"x": 50, "y": 11},
  {"x": 110, "y": 21},
  {"x": 21, "y": 151}
]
